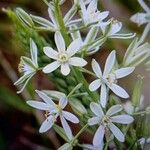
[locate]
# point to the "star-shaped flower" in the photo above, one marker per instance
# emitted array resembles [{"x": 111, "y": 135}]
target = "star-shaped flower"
[
  {"x": 108, "y": 79},
  {"x": 106, "y": 122},
  {"x": 141, "y": 18},
  {"x": 91, "y": 15},
  {"x": 53, "y": 111},
  {"x": 63, "y": 57},
  {"x": 28, "y": 66}
]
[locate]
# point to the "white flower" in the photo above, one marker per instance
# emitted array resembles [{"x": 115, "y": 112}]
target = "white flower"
[
  {"x": 53, "y": 25},
  {"x": 143, "y": 141},
  {"x": 142, "y": 17},
  {"x": 53, "y": 111},
  {"x": 90, "y": 14},
  {"x": 111, "y": 29},
  {"x": 28, "y": 66},
  {"x": 106, "y": 121},
  {"x": 109, "y": 78},
  {"x": 93, "y": 147},
  {"x": 63, "y": 57}
]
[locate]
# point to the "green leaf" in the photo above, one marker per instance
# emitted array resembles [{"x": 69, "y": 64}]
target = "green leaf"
[
  {"x": 77, "y": 107},
  {"x": 13, "y": 100},
  {"x": 137, "y": 92},
  {"x": 24, "y": 17},
  {"x": 66, "y": 146},
  {"x": 61, "y": 132}
]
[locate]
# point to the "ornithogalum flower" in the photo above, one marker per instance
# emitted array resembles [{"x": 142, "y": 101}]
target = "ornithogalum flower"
[
  {"x": 63, "y": 57},
  {"x": 91, "y": 15},
  {"x": 28, "y": 67},
  {"x": 53, "y": 111},
  {"x": 141, "y": 18},
  {"x": 106, "y": 122},
  {"x": 108, "y": 79}
]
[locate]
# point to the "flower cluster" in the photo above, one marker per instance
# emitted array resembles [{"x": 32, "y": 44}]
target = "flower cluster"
[{"x": 69, "y": 54}]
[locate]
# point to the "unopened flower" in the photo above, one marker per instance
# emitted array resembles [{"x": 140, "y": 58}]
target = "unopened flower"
[
  {"x": 28, "y": 66},
  {"x": 53, "y": 111},
  {"x": 106, "y": 122},
  {"x": 63, "y": 57},
  {"x": 111, "y": 29},
  {"x": 141, "y": 18},
  {"x": 108, "y": 79},
  {"x": 91, "y": 15}
]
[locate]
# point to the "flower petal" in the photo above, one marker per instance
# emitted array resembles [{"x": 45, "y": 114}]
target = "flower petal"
[
  {"x": 115, "y": 27},
  {"x": 71, "y": 117},
  {"x": 50, "y": 52},
  {"x": 117, "y": 132},
  {"x": 51, "y": 67},
  {"x": 109, "y": 63},
  {"x": 114, "y": 109},
  {"x": 60, "y": 43},
  {"x": 120, "y": 73},
  {"x": 66, "y": 128},
  {"x": 123, "y": 119},
  {"x": 65, "y": 69},
  {"x": 39, "y": 105},
  {"x": 46, "y": 98},
  {"x": 74, "y": 47},
  {"x": 47, "y": 124},
  {"x": 94, "y": 120},
  {"x": 63, "y": 102},
  {"x": 103, "y": 15},
  {"x": 103, "y": 95},
  {"x": 52, "y": 16},
  {"x": 95, "y": 85},
  {"x": 96, "y": 68},
  {"x": 96, "y": 109},
  {"x": 119, "y": 90},
  {"x": 76, "y": 61},
  {"x": 92, "y": 7},
  {"x": 99, "y": 135}
]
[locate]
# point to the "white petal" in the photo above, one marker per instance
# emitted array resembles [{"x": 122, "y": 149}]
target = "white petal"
[
  {"x": 109, "y": 63},
  {"x": 119, "y": 91},
  {"x": 63, "y": 102},
  {"x": 95, "y": 85},
  {"x": 51, "y": 67},
  {"x": 96, "y": 109},
  {"x": 94, "y": 120},
  {"x": 82, "y": 5},
  {"x": 66, "y": 128},
  {"x": 52, "y": 16},
  {"x": 139, "y": 18},
  {"x": 123, "y": 119},
  {"x": 103, "y": 95},
  {"x": 76, "y": 61},
  {"x": 115, "y": 27},
  {"x": 74, "y": 47},
  {"x": 51, "y": 53},
  {"x": 92, "y": 6},
  {"x": 117, "y": 132},
  {"x": 103, "y": 15},
  {"x": 99, "y": 135},
  {"x": 39, "y": 105},
  {"x": 120, "y": 73},
  {"x": 114, "y": 109},
  {"x": 33, "y": 50},
  {"x": 46, "y": 98},
  {"x": 69, "y": 116},
  {"x": 96, "y": 68},
  {"x": 60, "y": 43},
  {"x": 65, "y": 69},
  {"x": 47, "y": 124}
]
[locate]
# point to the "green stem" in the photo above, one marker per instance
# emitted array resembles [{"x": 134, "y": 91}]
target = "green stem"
[
  {"x": 61, "y": 23},
  {"x": 79, "y": 133}
]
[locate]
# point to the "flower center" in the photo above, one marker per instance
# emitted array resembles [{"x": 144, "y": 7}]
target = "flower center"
[
  {"x": 63, "y": 57},
  {"x": 106, "y": 120},
  {"x": 112, "y": 78}
]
